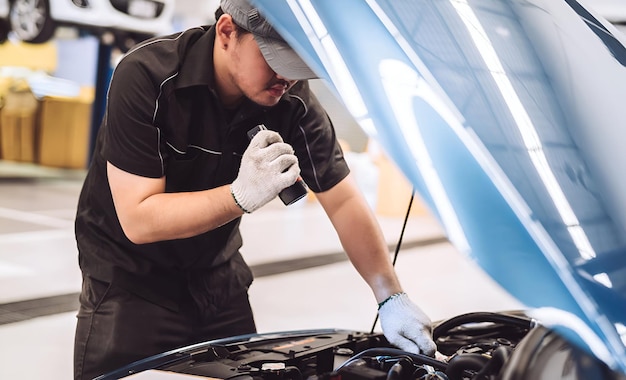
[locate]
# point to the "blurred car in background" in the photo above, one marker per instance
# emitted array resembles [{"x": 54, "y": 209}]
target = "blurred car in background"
[
  {"x": 5, "y": 27},
  {"x": 35, "y": 21},
  {"x": 613, "y": 10}
]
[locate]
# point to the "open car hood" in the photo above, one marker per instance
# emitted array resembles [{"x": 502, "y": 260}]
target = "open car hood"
[{"x": 507, "y": 117}]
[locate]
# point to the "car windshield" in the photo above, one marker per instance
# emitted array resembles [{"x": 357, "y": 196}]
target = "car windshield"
[{"x": 506, "y": 117}]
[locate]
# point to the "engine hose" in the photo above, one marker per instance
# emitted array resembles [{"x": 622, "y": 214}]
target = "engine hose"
[
  {"x": 445, "y": 326},
  {"x": 384, "y": 351},
  {"x": 397, "y": 371},
  {"x": 293, "y": 372},
  {"x": 499, "y": 356},
  {"x": 465, "y": 362}
]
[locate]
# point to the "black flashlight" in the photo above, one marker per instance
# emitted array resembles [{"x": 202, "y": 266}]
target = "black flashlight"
[{"x": 289, "y": 194}]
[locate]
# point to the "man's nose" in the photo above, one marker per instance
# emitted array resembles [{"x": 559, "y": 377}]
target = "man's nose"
[{"x": 290, "y": 82}]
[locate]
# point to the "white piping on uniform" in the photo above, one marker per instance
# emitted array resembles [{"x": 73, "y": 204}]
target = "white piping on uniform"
[
  {"x": 160, "y": 40},
  {"x": 196, "y": 147},
  {"x": 159, "y": 150},
  {"x": 154, "y": 115},
  {"x": 205, "y": 149},
  {"x": 156, "y": 103}
]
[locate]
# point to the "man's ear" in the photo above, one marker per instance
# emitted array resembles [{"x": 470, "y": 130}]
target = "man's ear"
[{"x": 225, "y": 29}]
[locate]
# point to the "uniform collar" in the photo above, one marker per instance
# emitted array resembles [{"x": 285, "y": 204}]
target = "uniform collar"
[{"x": 197, "y": 67}]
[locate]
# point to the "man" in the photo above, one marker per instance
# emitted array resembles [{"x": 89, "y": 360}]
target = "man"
[{"x": 173, "y": 172}]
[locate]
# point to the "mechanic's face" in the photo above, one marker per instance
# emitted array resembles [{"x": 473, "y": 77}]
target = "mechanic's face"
[{"x": 251, "y": 75}]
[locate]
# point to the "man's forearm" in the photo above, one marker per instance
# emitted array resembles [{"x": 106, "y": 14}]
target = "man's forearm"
[
  {"x": 366, "y": 247},
  {"x": 168, "y": 216},
  {"x": 148, "y": 214},
  {"x": 361, "y": 237}
]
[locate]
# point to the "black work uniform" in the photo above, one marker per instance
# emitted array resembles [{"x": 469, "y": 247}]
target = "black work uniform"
[{"x": 164, "y": 119}]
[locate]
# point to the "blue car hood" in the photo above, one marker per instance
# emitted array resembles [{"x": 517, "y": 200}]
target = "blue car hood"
[{"x": 508, "y": 118}]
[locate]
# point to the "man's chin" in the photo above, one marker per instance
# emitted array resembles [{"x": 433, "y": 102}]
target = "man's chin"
[{"x": 266, "y": 101}]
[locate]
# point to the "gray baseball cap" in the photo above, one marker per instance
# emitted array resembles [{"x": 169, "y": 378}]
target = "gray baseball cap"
[{"x": 278, "y": 54}]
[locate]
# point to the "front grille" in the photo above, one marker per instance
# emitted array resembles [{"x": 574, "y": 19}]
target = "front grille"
[
  {"x": 81, "y": 3},
  {"x": 123, "y": 5}
]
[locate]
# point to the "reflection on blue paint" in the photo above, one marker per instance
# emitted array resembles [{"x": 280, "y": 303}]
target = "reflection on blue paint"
[{"x": 506, "y": 118}]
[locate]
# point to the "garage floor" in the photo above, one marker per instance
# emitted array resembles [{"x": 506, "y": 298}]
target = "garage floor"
[{"x": 302, "y": 278}]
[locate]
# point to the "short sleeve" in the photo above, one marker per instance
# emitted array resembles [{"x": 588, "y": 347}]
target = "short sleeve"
[{"x": 132, "y": 140}]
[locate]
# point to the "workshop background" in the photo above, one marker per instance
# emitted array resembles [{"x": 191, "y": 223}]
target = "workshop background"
[{"x": 48, "y": 104}]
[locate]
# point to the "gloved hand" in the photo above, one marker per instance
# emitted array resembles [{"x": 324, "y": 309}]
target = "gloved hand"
[
  {"x": 267, "y": 167},
  {"x": 406, "y": 326}
]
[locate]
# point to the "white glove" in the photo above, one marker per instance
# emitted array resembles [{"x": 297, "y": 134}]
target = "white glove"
[
  {"x": 406, "y": 326},
  {"x": 267, "y": 167}
]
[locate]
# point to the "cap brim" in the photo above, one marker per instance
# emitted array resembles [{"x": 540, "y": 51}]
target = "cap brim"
[{"x": 283, "y": 59}]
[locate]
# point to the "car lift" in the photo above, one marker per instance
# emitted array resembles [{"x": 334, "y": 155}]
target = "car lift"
[{"x": 103, "y": 76}]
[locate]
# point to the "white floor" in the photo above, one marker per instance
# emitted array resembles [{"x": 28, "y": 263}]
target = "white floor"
[{"x": 38, "y": 259}]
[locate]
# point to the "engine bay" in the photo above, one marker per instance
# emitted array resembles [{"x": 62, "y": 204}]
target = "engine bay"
[{"x": 482, "y": 345}]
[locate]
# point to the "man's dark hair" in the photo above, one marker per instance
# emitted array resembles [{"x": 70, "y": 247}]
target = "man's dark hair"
[{"x": 218, "y": 13}]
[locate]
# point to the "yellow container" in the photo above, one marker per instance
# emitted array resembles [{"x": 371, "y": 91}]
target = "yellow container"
[
  {"x": 65, "y": 125},
  {"x": 18, "y": 124}
]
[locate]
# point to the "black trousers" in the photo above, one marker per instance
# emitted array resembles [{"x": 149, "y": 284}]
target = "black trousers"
[{"x": 116, "y": 327}]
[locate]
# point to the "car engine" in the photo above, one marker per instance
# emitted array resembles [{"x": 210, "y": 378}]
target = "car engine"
[{"x": 481, "y": 345}]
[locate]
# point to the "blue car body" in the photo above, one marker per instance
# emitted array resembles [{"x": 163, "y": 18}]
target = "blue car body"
[{"x": 508, "y": 117}]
